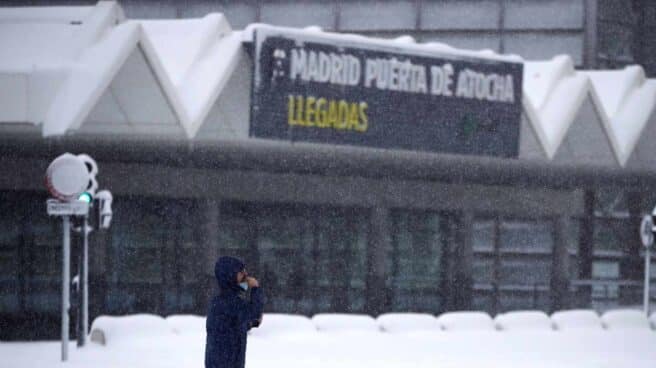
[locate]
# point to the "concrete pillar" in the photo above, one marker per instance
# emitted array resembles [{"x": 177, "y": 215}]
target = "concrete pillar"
[
  {"x": 560, "y": 277},
  {"x": 585, "y": 253},
  {"x": 632, "y": 263},
  {"x": 98, "y": 268},
  {"x": 377, "y": 295},
  {"x": 590, "y": 38},
  {"x": 462, "y": 260},
  {"x": 496, "y": 268},
  {"x": 209, "y": 212}
]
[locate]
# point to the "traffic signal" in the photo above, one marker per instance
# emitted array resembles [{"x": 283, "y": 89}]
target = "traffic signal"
[
  {"x": 85, "y": 197},
  {"x": 92, "y": 184}
]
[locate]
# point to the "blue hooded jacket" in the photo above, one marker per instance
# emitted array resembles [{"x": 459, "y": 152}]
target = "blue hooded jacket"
[{"x": 230, "y": 316}]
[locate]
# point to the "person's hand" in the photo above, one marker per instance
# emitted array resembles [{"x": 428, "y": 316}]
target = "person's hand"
[{"x": 252, "y": 282}]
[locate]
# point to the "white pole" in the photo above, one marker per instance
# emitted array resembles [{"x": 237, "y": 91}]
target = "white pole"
[
  {"x": 85, "y": 282},
  {"x": 65, "y": 286},
  {"x": 647, "y": 274}
]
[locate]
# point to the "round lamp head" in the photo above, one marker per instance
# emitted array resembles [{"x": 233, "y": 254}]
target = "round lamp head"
[{"x": 67, "y": 177}]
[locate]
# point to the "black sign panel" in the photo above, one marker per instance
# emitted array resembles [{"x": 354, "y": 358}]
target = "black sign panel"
[{"x": 330, "y": 90}]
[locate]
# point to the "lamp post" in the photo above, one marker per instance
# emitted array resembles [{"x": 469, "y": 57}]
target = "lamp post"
[
  {"x": 67, "y": 178},
  {"x": 647, "y": 237}
]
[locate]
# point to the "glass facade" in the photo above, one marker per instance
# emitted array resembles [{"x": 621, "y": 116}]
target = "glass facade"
[{"x": 311, "y": 259}]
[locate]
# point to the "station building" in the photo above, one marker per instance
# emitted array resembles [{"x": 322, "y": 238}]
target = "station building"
[{"x": 511, "y": 184}]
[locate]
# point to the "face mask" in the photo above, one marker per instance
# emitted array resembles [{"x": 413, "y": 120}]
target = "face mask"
[{"x": 243, "y": 285}]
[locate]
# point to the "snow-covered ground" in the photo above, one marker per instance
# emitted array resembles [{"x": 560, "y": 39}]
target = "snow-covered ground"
[{"x": 404, "y": 341}]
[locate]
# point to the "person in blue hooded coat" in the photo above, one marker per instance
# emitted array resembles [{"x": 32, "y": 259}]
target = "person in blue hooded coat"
[{"x": 231, "y": 314}]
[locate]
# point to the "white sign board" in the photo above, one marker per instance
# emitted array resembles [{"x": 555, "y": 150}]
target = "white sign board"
[{"x": 74, "y": 208}]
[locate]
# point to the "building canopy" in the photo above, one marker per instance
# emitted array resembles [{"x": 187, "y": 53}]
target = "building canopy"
[{"x": 90, "y": 72}]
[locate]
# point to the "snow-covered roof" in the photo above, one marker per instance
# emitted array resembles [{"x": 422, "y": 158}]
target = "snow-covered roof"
[
  {"x": 627, "y": 100},
  {"x": 197, "y": 58},
  {"x": 553, "y": 94},
  {"x": 406, "y": 42},
  {"x": 565, "y": 115},
  {"x": 89, "y": 70}
]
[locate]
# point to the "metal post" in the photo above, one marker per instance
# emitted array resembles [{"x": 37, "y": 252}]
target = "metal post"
[
  {"x": 85, "y": 282},
  {"x": 65, "y": 286},
  {"x": 78, "y": 315},
  {"x": 647, "y": 274}
]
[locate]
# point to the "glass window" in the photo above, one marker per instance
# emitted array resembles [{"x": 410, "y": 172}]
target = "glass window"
[
  {"x": 339, "y": 254},
  {"x": 483, "y": 269},
  {"x": 43, "y": 301},
  {"x": 10, "y": 263},
  {"x": 615, "y": 43},
  {"x": 313, "y": 259},
  {"x": 30, "y": 255},
  {"x": 483, "y": 236},
  {"x": 9, "y": 226},
  {"x": 135, "y": 249},
  {"x": 43, "y": 254},
  {"x": 483, "y": 300},
  {"x": 609, "y": 235},
  {"x": 184, "y": 256},
  {"x": 376, "y": 15},
  {"x": 280, "y": 243},
  {"x": 10, "y": 238},
  {"x": 516, "y": 272},
  {"x": 526, "y": 236},
  {"x": 236, "y": 225},
  {"x": 137, "y": 241},
  {"x": 139, "y": 265},
  {"x": 154, "y": 256},
  {"x": 523, "y": 299},
  {"x": 484, "y": 265},
  {"x": 611, "y": 202},
  {"x": 573, "y": 236},
  {"x": 416, "y": 262},
  {"x": 290, "y": 14},
  {"x": 524, "y": 271},
  {"x": 605, "y": 270}
]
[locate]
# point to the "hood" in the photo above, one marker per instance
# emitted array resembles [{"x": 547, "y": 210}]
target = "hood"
[{"x": 225, "y": 270}]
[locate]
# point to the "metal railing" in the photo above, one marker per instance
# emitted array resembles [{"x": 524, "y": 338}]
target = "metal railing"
[
  {"x": 604, "y": 294},
  {"x": 598, "y": 294}
]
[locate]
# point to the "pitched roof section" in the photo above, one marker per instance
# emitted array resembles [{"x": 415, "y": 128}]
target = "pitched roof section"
[
  {"x": 197, "y": 57},
  {"x": 553, "y": 95},
  {"x": 133, "y": 104},
  {"x": 88, "y": 78},
  {"x": 626, "y": 99},
  {"x": 642, "y": 156},
  {"x": 587, "y": 141}
]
